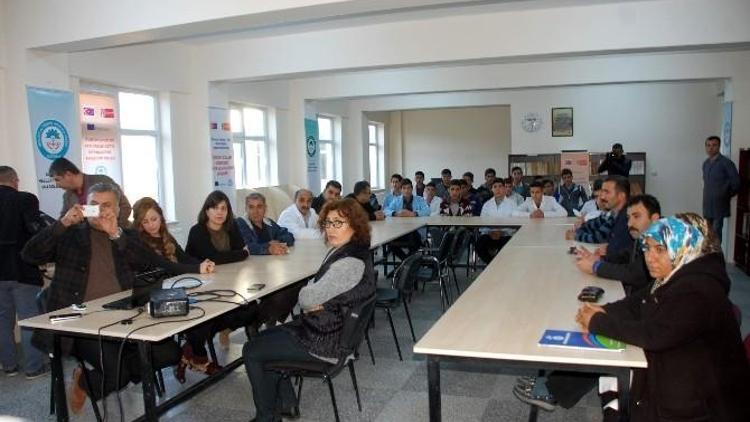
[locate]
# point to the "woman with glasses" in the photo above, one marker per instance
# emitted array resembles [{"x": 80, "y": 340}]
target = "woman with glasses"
[
  {"x": 697, "y": 368},
  {"x": 345, "y": 278}
]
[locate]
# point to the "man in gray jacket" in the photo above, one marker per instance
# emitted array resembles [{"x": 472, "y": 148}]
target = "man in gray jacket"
[
  {"x": 76, "y": 184},
  {"x": 720, "y": 183}
]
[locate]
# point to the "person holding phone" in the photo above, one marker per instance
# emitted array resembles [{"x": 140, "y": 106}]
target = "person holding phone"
[{"x": 615, "y": 163}]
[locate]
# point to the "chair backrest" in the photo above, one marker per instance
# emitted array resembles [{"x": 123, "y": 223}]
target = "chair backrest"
[
  {"x": 444, "y": 250},
  {"x": 356, "y": 321},
  {"x": 406, "y": 273},
  {"x": 460, "y": 242}
]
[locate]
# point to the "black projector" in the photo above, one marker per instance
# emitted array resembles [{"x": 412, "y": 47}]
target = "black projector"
[{"x": 168, "y": 303}]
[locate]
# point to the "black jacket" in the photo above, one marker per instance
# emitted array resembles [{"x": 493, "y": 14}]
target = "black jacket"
[
  {"x": 631, "y": 272},
  {"x": 619, "y": 243},
  {"x": 320, "y": 331},
  {"x": 70, "y": 250},
  {"x": 619, "y": 166},
  {"x": 697, "y": 368},
  {"x": 367, "y": 207},
  {"x": 318, "y": 202},
  {"x": 19, "y": 221},
  {"x": 199, "y": 245}
]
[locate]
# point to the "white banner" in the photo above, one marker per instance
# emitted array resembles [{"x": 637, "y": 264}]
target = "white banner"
[
  {"x": 222, "y": 154},
  {"x": 54, "y": 134},
  {"x": 100, "y": 149}
]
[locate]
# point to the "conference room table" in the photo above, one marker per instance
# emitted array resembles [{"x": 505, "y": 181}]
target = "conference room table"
[{"x": 530, "y": 286}]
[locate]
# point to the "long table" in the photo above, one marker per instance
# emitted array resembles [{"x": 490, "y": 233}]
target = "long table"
[{"x": 530, "y": 286}]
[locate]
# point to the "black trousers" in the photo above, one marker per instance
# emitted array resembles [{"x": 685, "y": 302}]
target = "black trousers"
[
  {"x": 488, "y": 247},
  {"x": 411, "y": 241},
  {"x": 163, "y": 354},
  {"x": 569, "y": 387},
  {"x": 242, "y": 316},
  {"x": 274, "y": 344},
  {"x": 278, "y": 305}
]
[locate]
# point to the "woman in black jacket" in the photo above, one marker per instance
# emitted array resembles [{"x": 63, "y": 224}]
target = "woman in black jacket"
[
  {"x": 345, "y": 279},
  {"x": 697, "y": 369},
  {"x": 216, "y": 236}
]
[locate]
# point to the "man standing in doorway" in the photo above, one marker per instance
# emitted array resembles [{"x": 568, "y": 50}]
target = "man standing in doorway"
[{"x": 720, "y": 183}]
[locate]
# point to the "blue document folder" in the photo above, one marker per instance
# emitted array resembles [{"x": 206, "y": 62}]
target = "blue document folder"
[{"x": 579, "y": 340}]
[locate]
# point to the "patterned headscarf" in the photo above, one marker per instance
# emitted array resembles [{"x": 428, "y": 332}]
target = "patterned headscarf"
[{"x": 684, "y": 242}]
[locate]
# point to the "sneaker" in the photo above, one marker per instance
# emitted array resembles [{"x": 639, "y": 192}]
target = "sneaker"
[
  {"x": 546, "y": 403},
  {"x": 11, "y": 372},
  {"x": 76, "y": 393},
  {"x": 38, "y": 373},
  {"x": 526, "y": 381}
]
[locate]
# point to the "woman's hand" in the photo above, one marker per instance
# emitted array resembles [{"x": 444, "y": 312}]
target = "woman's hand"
[
  {"x": 207, "y": 267},
  {"x": 584, "y": 314}
]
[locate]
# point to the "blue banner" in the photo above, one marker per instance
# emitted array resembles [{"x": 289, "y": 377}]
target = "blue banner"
[
  {"x": 312, "y": 153},
  {"x": 54, "y": 134}
]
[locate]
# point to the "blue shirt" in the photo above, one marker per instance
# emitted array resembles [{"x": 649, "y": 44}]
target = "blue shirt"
[
  {"x": 418, "y": 205},
  {"x": 253, "y": 241}
]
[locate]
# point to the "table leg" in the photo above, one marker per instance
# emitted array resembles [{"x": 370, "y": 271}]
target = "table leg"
[
  {"x": 623, "y": 395},
  {"x": 58, "y": 381},
  {"x": 433, "y": 381},
  {"x": 147, "y": 379}
]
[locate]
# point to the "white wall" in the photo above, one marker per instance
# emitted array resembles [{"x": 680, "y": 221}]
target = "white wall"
[{"x": 461, "y": 139}]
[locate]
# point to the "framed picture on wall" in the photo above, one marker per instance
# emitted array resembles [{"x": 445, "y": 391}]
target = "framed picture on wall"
[{"x": 562, "y": 121}]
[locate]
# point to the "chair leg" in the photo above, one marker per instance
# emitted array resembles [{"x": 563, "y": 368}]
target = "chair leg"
[
  {"x": 354, "y": 383},
  {"x": 333, "y": 398},
  {"x": 299, "y": 389},
  {"x": 393, "y": 330},
  {"x": 51, "y": 395},
  {"x": 212, "y": 350},
  {"x": 408, "y": 318},
  {"x": 160, "y": 389},
  {"x": 369, "y": 345},
  {"x": 455, "y": 281}
]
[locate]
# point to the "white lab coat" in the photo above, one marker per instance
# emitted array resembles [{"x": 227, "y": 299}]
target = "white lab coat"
[
  {"x": 293, "y": 221},
  {"x": 493, "y": 209},
  {"x": 435, "y": 205},
  {"x": 549, "y": 206}
]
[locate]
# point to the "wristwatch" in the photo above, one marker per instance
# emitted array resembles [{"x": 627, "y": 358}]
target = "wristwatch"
[{"x": 116, "y": 236}]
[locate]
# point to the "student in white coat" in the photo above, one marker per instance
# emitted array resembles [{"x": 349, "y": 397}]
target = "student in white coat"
[
  {"x": 300, "y": 218},
  {"x": 499, "y": 206},
  {"x": 538, "y": 205}
]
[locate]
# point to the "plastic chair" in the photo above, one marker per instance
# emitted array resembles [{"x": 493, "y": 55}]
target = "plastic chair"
[
  {"x": 403, "y": 285},
  {"x": 460, "y": 243},
  {"x": 352, "y": 334},
  {"x": 437, "y": 265}
]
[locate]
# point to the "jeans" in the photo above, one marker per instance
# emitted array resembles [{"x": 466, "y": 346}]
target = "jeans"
[
  {"x": 18, "y": 299},
  {"x": 273, "y": 344}
]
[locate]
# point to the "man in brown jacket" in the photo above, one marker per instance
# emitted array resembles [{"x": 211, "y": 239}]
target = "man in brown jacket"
[{"x": 75, "y": 183}]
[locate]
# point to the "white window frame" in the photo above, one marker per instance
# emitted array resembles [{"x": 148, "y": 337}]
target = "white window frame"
[
  {"x": 239, "y": 138},
  {"x": 114, "y": 91},
  {"x": 379, "y": 143},
  {"x": 335, "y": 143}
]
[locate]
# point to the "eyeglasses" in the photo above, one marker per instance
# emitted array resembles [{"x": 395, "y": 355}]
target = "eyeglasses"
[{"x": 336, "y": 224}]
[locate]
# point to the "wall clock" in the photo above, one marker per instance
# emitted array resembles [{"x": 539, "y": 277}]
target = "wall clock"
[{"x": 531, "y": 122}]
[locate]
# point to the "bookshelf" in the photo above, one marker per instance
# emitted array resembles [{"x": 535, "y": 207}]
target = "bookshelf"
[{"x": 742, "y": 226}]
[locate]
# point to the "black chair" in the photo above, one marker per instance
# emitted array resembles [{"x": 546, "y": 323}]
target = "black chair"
[
  {"x": 352, "y": 334},
  {"x": 403, "y": 286},
  {"x": 460, "y": 243},
  {"x": 435, "y": 267}
]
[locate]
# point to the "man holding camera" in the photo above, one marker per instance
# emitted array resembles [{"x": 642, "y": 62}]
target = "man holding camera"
[{"x": 616, "y": 163}]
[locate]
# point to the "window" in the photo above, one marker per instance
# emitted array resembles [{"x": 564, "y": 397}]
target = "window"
[
  {"x": 327, "y": 142},
  {"x": 251, "y": 145},
  {"x": 376, "y": 154},
  {"x": 109, "y": 115}
]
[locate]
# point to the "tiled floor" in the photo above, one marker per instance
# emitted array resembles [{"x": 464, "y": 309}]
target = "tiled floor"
[{"x": 392, "y": 390}]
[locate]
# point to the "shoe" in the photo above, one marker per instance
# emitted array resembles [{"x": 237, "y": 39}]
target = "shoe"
[
  {"x": 76, "y": 394},
  {"x": 197, "y": 363},
  {"x": 11, "y": 372},
  {"x": 179, "y": 371},
  {"x": 38, "y": 373},
  {"x": 292, "y": 413},
  {"x": 526, "y": 381},
  {"x": 224, "y": 338},
  {"x": 546, "y": 403}
]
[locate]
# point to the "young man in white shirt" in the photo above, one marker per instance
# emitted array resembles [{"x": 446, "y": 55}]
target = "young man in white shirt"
[
  {"x": 538, "y": 205},
  {"x": 510, "y": 193},
  {"x": 432, "y": 198},
  {"x": 299, "y": 218},
  {"x": 492, "y": 240}
]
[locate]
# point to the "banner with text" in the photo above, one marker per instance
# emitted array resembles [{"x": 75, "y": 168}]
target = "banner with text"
[
  {"x": 54, "y": 134},
  {"x": 100, "y": 149},
  {"x": 222, "y": 154},
  {"x": 312, "y": 153}
]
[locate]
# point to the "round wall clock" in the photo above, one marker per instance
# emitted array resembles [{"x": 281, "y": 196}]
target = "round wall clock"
[{"x": 531, "y": 122}]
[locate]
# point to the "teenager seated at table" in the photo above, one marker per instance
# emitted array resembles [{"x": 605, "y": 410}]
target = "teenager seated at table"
[
  {"x": 432, "y": 199},
  {"x": 548, "y": 188},
  {"x": 346, "y": 278},
  {"x": 95, "y": 257},
  {"x": 469, "y": 193},
  {"x": 456, "y": 205},
  {"x": 685, "y": 324},
  {"x": 216, "y": 237},
  {"x": 511, "y": 193},
  {"x": 331, "y": 192},
  {"x": 593, "y": 207},
  {"x": 407, "y": 205},
  {"x": 570, "y": 195},
  {"x": 362, "y": 194},
  {"x": 394, "y": 192},
  {"x": 499, "y": 206},
  {"x": 538, "y": 205}
]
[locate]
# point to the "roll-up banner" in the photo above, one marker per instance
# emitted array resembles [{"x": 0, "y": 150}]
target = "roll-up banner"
[
  {"x": 54, "y": 134},
  {"x": 222, "y": 154}
]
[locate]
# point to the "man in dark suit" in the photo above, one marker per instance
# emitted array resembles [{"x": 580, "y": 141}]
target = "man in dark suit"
[
  {"x": 19, "y": 282},
  {"x": 720, "y": 183}
]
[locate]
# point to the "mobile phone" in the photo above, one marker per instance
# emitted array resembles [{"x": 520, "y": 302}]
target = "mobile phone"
[
  {"x": 63, "y": 317},
  {"x": 256, "y": 287},
  {"x": 91, "y": 210}
]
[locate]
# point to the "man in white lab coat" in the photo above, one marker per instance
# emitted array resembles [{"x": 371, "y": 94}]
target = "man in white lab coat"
[
  {"x": 538, "y": 205},
  {"x": 300, "y": 218},
  {"x": 499, "y": 206}
]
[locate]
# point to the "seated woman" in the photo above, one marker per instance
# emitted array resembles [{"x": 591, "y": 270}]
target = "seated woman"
[
  {"x": 697, "y": 369},
  {"x": 345, "y": 278}
]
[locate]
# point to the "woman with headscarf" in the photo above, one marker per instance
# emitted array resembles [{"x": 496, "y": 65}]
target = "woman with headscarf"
[{"x": 697, "y": 369}]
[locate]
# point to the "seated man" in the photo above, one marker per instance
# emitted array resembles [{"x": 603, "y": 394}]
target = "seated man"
[
  {"x": 519, "y": 186},
  {"x": 264, "y": 237},
  {"x": 332, "y": 192},
  {"x": 474, "y": 201},
  {"x": 442, "y": 188},
  {"x": 491, "y": 241},
  {"x": 432, "y": 199},
  {"x": 456, "y": 205},
  {"x": 361, "y": 194},
  {"x": 539, "y": 206},
  {"x": 419, "y": 183},
  {"x": 510, "y": 193},
  {"x": 469, "y": 179},
  {"x": 395, "y": 191},
  {"x": 548, "y": 187},
  {"x": 569, "y": 195},
  {"x": 592, "y": 231},
  {"x": 593, "y": 207},
  {"x": 407, "y": 205},
  {"x": 485, "y": 189},
  {"x": 94, "y": 257},
  {"x": 299, "y": 218}
]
